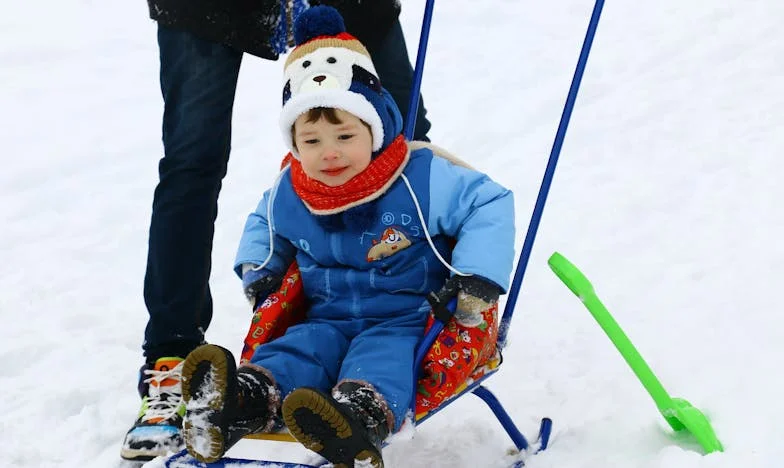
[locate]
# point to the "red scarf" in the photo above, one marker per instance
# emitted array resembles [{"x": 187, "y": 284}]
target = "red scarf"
[{"x": 321, "y": 199}]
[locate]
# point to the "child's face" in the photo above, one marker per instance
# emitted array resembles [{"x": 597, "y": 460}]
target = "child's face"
[{"x": 333, "y": 153}]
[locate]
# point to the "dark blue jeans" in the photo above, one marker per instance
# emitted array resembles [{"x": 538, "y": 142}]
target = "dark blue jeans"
[{"x": 198, "y": 82}]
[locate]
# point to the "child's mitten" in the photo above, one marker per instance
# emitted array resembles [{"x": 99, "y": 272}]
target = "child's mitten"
[
  {"x": 257, "y": 285},
  {"x": 474, "y": 295}
]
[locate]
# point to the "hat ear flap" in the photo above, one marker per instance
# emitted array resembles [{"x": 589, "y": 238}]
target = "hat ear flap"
[{"x": 394, "y": 113}]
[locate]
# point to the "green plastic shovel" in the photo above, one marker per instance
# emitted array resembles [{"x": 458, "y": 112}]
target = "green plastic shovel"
[{"x": 679, "y": 413}]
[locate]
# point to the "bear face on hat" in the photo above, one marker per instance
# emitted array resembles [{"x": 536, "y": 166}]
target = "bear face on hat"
[{"x": 331, "y": 68}]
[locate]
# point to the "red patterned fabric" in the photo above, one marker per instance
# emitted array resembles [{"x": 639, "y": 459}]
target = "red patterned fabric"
[
  {"x": 281, "y": 309},
  {"x": 458, "y": 356},
  {"x": 383, "y": 169}
]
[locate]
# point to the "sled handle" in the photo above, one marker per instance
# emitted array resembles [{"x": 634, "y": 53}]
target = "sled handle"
[
  {"x": 544, "y": 189},
  {"x": 413, "y": 105}
]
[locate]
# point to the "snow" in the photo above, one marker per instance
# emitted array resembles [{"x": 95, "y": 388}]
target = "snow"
[
  {"x": 199, "y": 407},
  {"x": 667, "y": 196}
]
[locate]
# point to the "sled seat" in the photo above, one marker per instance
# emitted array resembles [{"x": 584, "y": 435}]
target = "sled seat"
[
  {"x": 450, "y": 361},
  {"x": 458, "y": 356}
]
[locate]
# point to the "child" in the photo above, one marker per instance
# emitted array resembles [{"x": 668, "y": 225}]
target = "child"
[{"x": 372, "y": 225}]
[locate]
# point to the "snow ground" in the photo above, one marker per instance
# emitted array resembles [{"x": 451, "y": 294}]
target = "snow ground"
[{"x": 667, "y": 196}]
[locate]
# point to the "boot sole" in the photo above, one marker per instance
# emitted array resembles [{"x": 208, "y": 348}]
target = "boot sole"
[
  {"x": 316, "y": 423},
  {"x": 204, "y": 425}
]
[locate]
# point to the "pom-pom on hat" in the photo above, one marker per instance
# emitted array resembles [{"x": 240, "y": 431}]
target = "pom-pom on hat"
[{"x": 331, "y": 68}]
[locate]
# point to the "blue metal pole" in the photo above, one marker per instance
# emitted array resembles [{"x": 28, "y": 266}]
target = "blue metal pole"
[
  {"x": 409, "y": 133},
  {"x": 421, "y": 351},
  {"x": 541, "y": 199},
  {"x": 418, "y": 71}
]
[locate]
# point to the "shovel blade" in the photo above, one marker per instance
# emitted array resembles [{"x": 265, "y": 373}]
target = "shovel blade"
[{"x": 684, "y": 415}]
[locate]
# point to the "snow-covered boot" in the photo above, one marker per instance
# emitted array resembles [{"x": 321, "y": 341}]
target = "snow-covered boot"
[
  {"x": 347, "y": 428},
  {"x": 223, "y": 403},
  {"x": 157, "y": 428}
]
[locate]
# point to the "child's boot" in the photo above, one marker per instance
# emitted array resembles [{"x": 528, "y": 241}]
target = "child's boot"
[
  {"x": 223, "y": 403},
  {"x": 349, "y": 425}
]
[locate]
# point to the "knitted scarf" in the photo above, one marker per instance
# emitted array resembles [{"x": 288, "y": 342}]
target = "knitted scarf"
[{"x": 321, "y": 199}]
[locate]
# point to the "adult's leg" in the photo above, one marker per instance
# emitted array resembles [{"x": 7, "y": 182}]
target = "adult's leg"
[
  {"x": 397, "y": 76},
  {"x": 198, "y": 82}
]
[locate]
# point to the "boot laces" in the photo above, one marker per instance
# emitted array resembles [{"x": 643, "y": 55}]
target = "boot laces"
[{"x": 164, "y": 395}]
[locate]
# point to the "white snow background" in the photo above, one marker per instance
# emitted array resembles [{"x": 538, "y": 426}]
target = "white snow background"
[{"x": 667, "y": 196}]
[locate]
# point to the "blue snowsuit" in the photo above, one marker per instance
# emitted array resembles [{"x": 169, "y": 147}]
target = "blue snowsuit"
[{"x": 367, "y": 285}]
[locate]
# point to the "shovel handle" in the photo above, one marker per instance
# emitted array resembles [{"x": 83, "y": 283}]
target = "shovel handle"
[{"x": 574, "y": 279}]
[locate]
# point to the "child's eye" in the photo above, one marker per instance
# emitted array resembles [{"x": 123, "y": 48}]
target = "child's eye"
[
  {"x": 346, "y": 136},
  {"x": 311, "y": 141}
]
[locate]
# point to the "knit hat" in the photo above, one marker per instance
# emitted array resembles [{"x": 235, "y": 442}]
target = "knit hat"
[{"x": 331, "y": 68}]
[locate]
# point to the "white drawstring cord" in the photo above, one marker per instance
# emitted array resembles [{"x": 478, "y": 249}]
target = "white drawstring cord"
[
  {"x": 427, "y": 234},
  {"x": 270, "y": 223}
]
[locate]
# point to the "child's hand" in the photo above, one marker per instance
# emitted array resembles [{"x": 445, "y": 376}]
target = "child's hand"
[
  {"x": 257, "y": 285},
  {"x": 474, "y": 295}
]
